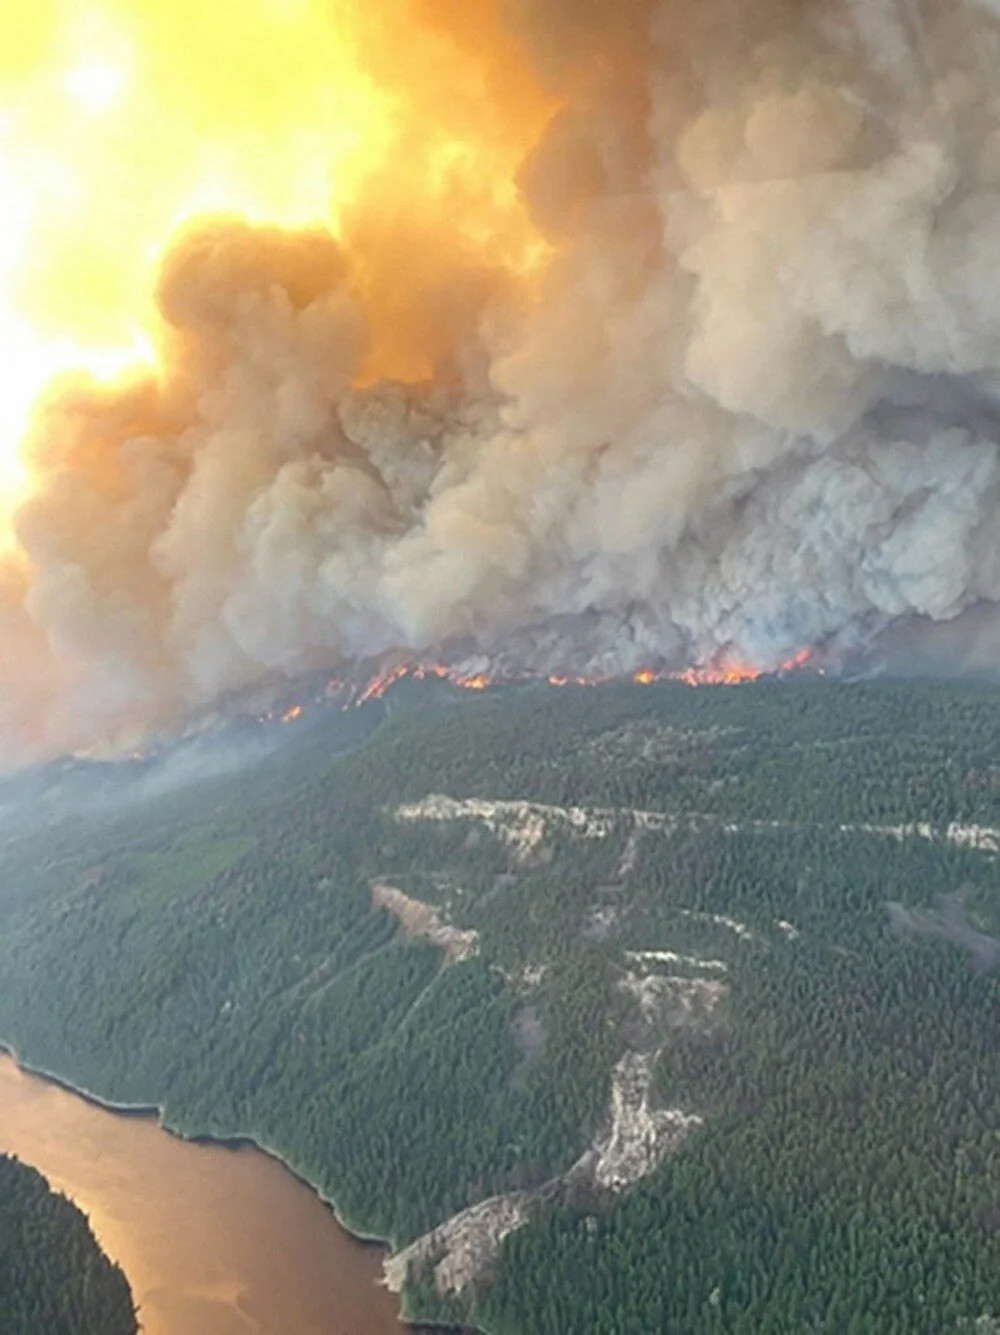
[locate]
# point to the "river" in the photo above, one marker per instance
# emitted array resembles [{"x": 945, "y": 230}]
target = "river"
[{"x": 214, "y": 1241}]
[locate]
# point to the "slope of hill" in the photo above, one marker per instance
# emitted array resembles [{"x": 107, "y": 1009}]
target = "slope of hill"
[
  {"x": 53, "y": 1276},
  {"x": 615, "y": 1009}
]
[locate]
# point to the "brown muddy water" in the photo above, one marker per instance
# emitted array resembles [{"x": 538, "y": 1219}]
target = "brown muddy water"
[{"x": 213, "y": 1240}]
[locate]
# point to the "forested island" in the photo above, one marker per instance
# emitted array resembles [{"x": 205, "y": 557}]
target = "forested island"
[
  {"x": 53, "y": 1276},
  {"x": 612, "y": 1009}
]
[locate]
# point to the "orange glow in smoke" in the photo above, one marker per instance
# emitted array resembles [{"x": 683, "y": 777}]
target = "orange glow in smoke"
[{"x": 121, "y": 121}]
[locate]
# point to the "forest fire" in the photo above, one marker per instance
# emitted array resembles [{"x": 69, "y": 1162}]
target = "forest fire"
[
  {"x": 589, "y": 337},
  {"x": 355, "y": 691},
  {"x": 377, "y": 687},
  {"x": 723, "y": 673}
]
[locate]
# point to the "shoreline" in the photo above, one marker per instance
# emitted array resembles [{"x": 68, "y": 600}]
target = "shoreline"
[{"x": 148, "y": 1111}]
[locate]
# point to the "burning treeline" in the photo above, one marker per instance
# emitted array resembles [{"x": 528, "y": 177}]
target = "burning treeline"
[
  {"x": 588, "y": 337},
  {"x": 354, "y": 695},
  {"x": 362, "y": 685}
]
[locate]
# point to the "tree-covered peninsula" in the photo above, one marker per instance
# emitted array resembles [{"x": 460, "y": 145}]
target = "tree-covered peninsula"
[{"x": 54, "y": 1278}]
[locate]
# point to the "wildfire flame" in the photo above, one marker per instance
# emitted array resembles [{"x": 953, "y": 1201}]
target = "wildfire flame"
[
  {"x": 725, "y": 673},
  {"x": 341, "y": 691},
  {"x": 710, "y": 674},
  {"x": 122, "y": 120}
]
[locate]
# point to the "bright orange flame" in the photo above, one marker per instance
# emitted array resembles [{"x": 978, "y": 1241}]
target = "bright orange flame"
[
  {"x": 721, "y": 673},
  {"x": 724, "y": 672},
  {"x": 122, "y": 120},
  {"x": 480, "y": 682}
]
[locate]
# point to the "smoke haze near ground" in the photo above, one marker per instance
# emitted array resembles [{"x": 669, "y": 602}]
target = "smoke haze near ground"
[{"x": 744, "y": 400}]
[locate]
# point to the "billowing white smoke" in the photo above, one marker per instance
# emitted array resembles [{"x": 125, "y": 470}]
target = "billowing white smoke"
[{"x": 754, "y": 408}]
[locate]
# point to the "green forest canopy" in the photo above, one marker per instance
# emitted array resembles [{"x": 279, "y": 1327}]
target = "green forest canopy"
[
  {"x": 216, "y": 950},
  {"x": 54, "y": 1279}
]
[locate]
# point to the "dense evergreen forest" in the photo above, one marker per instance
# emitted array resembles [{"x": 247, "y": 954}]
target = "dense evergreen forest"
[
  {"x": 54, "y": 1279},
  {"x": 778, "y": 902}
]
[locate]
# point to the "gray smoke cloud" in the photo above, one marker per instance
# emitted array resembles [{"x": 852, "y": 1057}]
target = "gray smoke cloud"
[{"x": 752, "y": 407}]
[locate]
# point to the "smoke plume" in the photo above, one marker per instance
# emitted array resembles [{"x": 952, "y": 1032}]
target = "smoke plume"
[{"x": 744, "y": 400}]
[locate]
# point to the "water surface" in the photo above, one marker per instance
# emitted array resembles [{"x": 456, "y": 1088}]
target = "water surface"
[{"x": 214, "y": 1241}]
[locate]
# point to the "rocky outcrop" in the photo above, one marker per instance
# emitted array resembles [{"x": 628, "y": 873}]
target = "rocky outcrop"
[
  {"x": 462, "y": 1248},
  {"x": 419, "y": 919},
  {"x": 638, "y": 1137}
]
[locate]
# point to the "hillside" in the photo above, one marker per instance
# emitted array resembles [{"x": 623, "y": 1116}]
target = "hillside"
[
  {"x": 615, "y": 1009},
  {"x": 53, "y": 1276}
]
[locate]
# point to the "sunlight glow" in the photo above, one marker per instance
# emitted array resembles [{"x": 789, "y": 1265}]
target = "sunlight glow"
[
  {"x": 95, "y": 86},
  {"x": 122, "y": 121}
]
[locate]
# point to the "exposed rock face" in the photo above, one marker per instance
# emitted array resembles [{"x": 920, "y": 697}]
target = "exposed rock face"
[
  {"x": 980, "y": 838},
  {"x": 633, "y": 1142},
  {"x": 666, "y": 999},
  {"x": 635, "y": 1136},
  {"x": 639, "y": 1136},
  {"x": 673, "y": 957},
  {"x": 523, "y": 826},
  {"x": 463, "y": 1247},
  {"x": 419, "y": 919}
]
